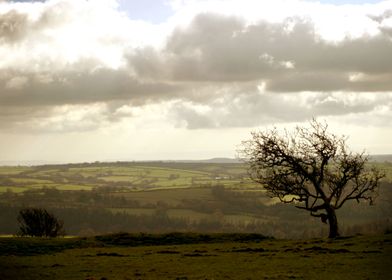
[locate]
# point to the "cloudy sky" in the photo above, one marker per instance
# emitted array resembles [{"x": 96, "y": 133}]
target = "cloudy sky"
[{"x": 188, "y": 79}]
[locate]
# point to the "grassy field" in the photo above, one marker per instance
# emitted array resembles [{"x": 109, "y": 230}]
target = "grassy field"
[
  {"x": 90, "y": 196},
  {"x": 180, "y": 256},
  {"x": 170, "y": 196},
  {"x": 132, "y": 176}
]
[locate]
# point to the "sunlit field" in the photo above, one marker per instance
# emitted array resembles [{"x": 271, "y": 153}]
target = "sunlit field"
[{"x": 96, "y": 198}]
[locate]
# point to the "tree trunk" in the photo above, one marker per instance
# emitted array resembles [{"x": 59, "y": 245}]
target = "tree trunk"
[{"x": 333, "y": 223}]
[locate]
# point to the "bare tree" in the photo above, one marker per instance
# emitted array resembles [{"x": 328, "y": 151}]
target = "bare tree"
[{"x": 312, "y": 169}]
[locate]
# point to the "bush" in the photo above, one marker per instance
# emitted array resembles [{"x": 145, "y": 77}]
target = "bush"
[{"x": 39, "y": 222}]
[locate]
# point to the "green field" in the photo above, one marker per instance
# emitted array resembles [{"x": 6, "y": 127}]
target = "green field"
[
  {"x": 202, "y": 257},
  {"x": 98, "y": 198},
  {"x": 132, "y": 176}
]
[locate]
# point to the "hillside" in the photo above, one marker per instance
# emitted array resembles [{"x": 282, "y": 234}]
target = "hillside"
[
  {"x": 381, "y": 158},
  {"x": 203, "y": 257},
  {"x": 98, "y": 198}
]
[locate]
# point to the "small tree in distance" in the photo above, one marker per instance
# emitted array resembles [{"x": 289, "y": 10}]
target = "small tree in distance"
[
  {"x": 312, "y": 169},
  {"x": 39, "y": 222}
]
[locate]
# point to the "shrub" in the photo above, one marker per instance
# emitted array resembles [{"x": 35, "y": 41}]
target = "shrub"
[{"x": 39, "y": 222}]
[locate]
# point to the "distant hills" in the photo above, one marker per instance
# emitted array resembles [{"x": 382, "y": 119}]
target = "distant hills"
[
  {"x": 373, "y": 158},
  {"x": 381, "y": 158},
  {"x": 212, "y": 160},
  {"x": 27, "y": 162}
]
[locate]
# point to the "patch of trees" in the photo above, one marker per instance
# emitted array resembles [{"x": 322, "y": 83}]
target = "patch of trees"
[
  {"x": 232, "y": 202},
  {"x": 91, "y": 212},
  {"x": 277, "y": 220},
  {"x": 39, "y": 222}
]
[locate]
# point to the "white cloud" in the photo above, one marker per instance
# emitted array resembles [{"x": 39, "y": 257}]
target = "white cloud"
[
  {"x": 71, "y": 65},
  {"x": 58, "y": 33},
  {"x": 251, "y": 109},
  {"x": 16, "y": 83},
  {"x": 331, "y": 22}
]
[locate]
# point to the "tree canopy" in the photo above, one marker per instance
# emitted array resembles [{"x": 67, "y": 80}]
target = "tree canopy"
[
  {"x": 311, "y": 168},
  {"x": 39, "y": 222}
]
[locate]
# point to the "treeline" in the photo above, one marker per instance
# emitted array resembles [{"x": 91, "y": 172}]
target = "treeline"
[
  {"x": 90, "y": 221},
  {"x": 91, "y": 213},
  {"x": 93, "y": 221}
]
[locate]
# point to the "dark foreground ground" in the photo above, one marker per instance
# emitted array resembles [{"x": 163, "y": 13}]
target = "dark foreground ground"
[{"x": 193, "y": 256}]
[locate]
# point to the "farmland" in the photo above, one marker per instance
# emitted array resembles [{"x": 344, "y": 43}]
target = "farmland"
[
  {"x": 185, "y": 256},
  {"x": 95, "y": 198},
  {"x": 132, "y": 176},
  {"x": 162, "y": 198}
]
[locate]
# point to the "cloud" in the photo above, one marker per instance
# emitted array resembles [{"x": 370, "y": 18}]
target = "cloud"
[
  {"x": 49, "y": 102},
  {"x": 58, "y": 34},
  {"x": 208, "y": 67},
  {"x": 289, "y": 56},
  {"x": 102, "y": 85},
  {"x": 12, "y": 27},
  {"x": 254, "y": 108}
]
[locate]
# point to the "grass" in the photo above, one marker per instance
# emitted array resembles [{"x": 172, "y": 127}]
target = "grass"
[
  {"x": 13, "y": 189},
  {"x": 182, "y": 191},
  {"x": 192, "y": 215},
  {"x": 139, "y": 176},
  {"x": 133, "y": 211},
  {"x": 386, "y": 168},
  {"x": 170, "y": 196},
  {"x": 67, "y": 187},
  {"x": 14, "y": 170},
  {"x": 195, "y": 256},
  {"x": 30, "y": 181}
]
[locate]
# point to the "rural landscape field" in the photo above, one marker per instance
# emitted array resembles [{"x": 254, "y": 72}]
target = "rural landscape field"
[
  {"x": 98, "y": 198},
  {"x": 153, "y": 200},
  {"x": 191, "y": 256},
  {"x": 195, "y": 139}
]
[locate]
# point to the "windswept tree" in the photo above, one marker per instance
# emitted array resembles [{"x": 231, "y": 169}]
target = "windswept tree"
[
  {"x": 311, "y": 168},
  {"x": 39, "y": 222}
]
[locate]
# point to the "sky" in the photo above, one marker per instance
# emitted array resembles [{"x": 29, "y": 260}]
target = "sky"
[{"x": 107, "y": 80}]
